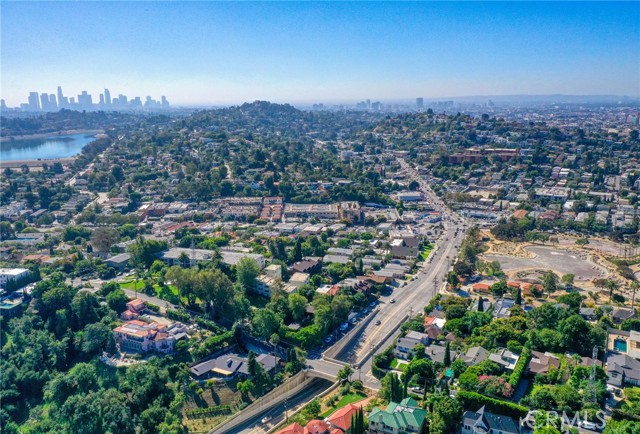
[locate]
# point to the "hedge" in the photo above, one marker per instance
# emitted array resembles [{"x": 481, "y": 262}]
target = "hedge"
[
  {"x": 518, "y": 370},
  {"x": 215, "y": 343},
  {"x": 381, "y": 363},
  {"x": 153, "y": 307},
  {"x": 306, "y": 338},
  {"x": 209, "y": 325},
  {"x": 178, "y": 315},
  {"x": 199, "y": 413},
  {"x": 473, "y": 401}
]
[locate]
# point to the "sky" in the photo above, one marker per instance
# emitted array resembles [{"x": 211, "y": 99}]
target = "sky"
[{"x": 207, "y": 53}]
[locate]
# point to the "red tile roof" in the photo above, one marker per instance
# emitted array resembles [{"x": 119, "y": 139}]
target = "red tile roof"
[
  {"x": 341, "y": 418},
  {"x": 316, "y": 426},
  {"x": 294, "y": 428}
]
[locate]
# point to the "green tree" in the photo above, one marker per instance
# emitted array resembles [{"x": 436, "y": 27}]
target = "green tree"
[
  {"x": 550, "y": 282},
  {"x": 344, "y": 374},
  {"x": 447, "y": 355},
  {"x": 117, "y": 300},
  {"x": 103, "y": 238},
  {"x": 247, "y": 271},
  {"x": 446, "y": 415},
  {"x": 297, "y": 306},
  {"x": 568, "y": 279},
  {"x": 265, "y": 322}
]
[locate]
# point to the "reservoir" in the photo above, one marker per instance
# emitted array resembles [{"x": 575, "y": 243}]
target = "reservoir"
[{"x": 45, "y": 147}]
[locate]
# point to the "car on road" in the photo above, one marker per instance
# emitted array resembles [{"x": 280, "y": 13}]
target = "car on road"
[
  {"x": 328, "y": 339},
  {"x": 266, "y": 419},
  {"x": 393, "y": 300},
  {"x": 378, "y": 322},
  {"x": 344, "y": 326}
]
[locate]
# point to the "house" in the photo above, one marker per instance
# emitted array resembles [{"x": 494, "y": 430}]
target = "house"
[
  {"x": 134, "y": 309},
  {"x": 139, "y": 336},
  {"x": 475, "y": 356},
  {"x": 12, "y": 305},
  {"x": 540, "y": 363},
  {"x": 624, "y": 342},
  {"x": 436, "y": 353},
  {"x": 341, "y": 418},
  {"x": 404, "y": 346},
  {"x": 481, "y": 288},
  {"x": 28, "y": 239},
  {"x": 503, "y": 307},
  {"x": 329, "y": 290},
  {"x": 338, "y": 259},
  {"x": 483, "y": 421},
  {"x": 504, "y": 358},
  {"x": 588, "y": 313},
  {"x": 403, "y": 417},
  {"x": 298, "y": 279},
  {"x": 623, "y": 370},
  {"x": 356, "y": 285},
  {"x": 294, "y": 428},
  {"x": 619, "y": 315},
  {"x": 273, "y": 271},
  {"x": 433, "y": 332},
  {"x": 231, "y": 365},
  {"x": 309, "y": 266},
  {"x": 316, "y": 426},
  {"x": 263, "y": 285},
  {"x": 12, "y": 275},
  {"x": 119, "y": 262}
]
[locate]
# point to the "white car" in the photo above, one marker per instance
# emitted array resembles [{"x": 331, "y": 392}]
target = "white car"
[{"x": 266, "y": 419}]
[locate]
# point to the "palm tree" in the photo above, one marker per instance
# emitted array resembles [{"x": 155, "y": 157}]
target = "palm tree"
[
  {"x": 611, "y": 285},
  {"x": 634, "y": 288}
]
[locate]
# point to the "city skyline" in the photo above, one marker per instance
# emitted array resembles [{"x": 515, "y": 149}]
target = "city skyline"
[
  {"x": 225, "y": 53},
  {"x": 44, "y": 102}
]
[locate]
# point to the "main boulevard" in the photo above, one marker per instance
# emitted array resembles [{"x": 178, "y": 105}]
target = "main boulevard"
[{"x": 409, "y": 301}]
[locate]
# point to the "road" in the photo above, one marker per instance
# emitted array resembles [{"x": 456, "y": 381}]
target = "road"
[
  {"x": 255, "y": 426},
  {"x": 409, "y": 300}
]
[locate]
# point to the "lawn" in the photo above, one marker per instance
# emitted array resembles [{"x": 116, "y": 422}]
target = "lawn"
[
  {"x": 168, "y": 293},
  {"x": 132, "y": 285},
  {"x": 426, "y": 249},
  {"x": 345, "y": 400},
  {"x": 396, "y": 364}
]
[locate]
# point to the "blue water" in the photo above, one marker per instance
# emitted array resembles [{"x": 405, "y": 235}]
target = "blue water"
[{"x": 44, "y": 148}]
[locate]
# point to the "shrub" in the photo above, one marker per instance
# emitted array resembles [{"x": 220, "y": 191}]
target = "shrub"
[
  {"x": 474, "y": 401},
  {"x": 525, "y": 356},
  {"x": 178, "y": 315}
]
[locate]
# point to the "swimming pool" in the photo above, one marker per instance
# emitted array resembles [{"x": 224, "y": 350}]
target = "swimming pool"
[{"x": 620, "y": 345}]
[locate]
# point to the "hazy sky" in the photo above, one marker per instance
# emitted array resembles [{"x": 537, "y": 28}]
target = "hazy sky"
[{"x": 208, "y": 53}]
